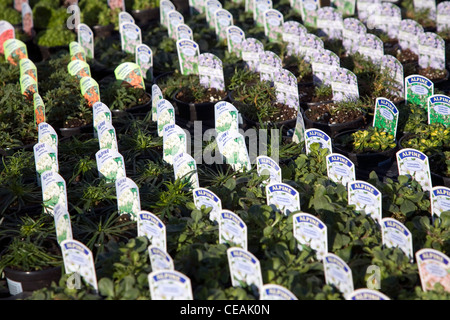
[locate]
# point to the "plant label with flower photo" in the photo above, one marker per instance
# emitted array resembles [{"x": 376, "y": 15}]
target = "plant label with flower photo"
[
  {"x": 151, "y": 227},
  {"x": 439, "y": 109},
  {"x": 174, "y": 142},
  {"x": 39, "y": 110},
  {"x": 283, "y": 197},
  {"x": 414, "y": 163},
  {"x": 385, "y": 116},
  {"x": 276, "y": 292},
  {"x": 27, "y": 19},
  {"x": 249, "y": 6},
  {"x": 308, "y": 46},
  {"x": 269, "y": 63},
  {"x": 232, "y": 146},
  {"x": 78, "y": 259},
  {"x": 363, "y": 9},
  {"x": 128, "y": 199},
  {"x": 440, "y": 201},
  {"x": 14, "y": 50},
  {"x": 291, "y": 32},
  {"x": 28, "y": 86},
  {"x": 261, "y": 6},
  {"x": 223, "y": 19},
  {"x": 7, "y": 32},
  {"x": 79, "y": 69},
  {"x": 196, "y": 7},
  {"x": 329, "y": 23},
  {"x": 266, "y": 166},
  {"x": 273, "y": 25},
  {"x": 116, "y": 4},
  {"x": 344, "y": 85},
  {"x": 244, "y": 268},
  {"x": 323, "y": 64},
  {"x": 107, "y": 138},
  {"x": 110, "y": 165},
  {"x": 352, "y": 30},
  {"x": 169, "y": 285},
  {"x": 188, "y": 52},
  {"x": 396, "y": 235},
  {"x": 434, "y": 268},
  {"x": 251, "y": 48},
  {"x": 210, "y": 71},
  {"x": 299, "y": 130},
  {"x": 183, "y": 31},
  {"x": 235, "y": 39},
  {"x": 371, "y": 48},
  {"x": 144, "y": 59},
  {"x": 418, "y": 89},
  {"x": 431, "y": 51},
  {"x": 211, "y": 6},
  {"x": 90, "y": 90},
  {"x": 45, "y": 158},
  {"x": 232, "y": 229},
  {"x": 63, "y": 226},
  {"x": 165, "y": 115},
  {"x": 226, "y": 117},
  {"x": 86, "y": 39},
  {"x": 384, "y": 17},
  {"x": 408, "y": 35},
  {"x": 338, "y": 274},
  {"x": 100, "y": 113},
  {"x": 175, "y": 18},
  {"x": 367, "y": 294},
  {"x": 125, "y": 17},
  {"x": 394, "y": 71},
  {"x": 54, "y": 191},
  {"x": 130, "y": 37},
  {"x": 130, "y": 74},
  {"x": 346, "y": 7},
  {"x": 76, "y": 51},
  {"x": 48, "y": 135},
  {"x": 28, "y": 67},
  {"x": 156, "y": 97},
  {"x": 442, "y": 18},
  {"x": 160, "y": 259},
  {"x": 286, "y": 87},
  {"x": 165, "y": 6},
  {"x": 310, "y": 232},
  {"x": 185, "y": 169},
  {"x": 340, "y": 169},
  {"x": 309, "y": 12},
  {"x": 207, "y": 198},
  {"x": 366, "y": 198},
  {"x": 317, "y": 136},
  {"x": 426, "y": 6}
]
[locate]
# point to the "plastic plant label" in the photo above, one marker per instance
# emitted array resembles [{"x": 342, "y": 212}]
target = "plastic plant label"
[
  {"x": 27, "y": 19},
  {"x": 63, "y": 226},
  {"x": 226, "y": 117},
  {"x": 100, "y": 113},
  {"x": 311, "y": 232},
  {"x": 156, "y": 96},
  {"x": 317, "y": 136},
  {"x": 183, "y": 31},
  {"x": 309, "y": 12},
  {"x": 223, "y": 19},
  {"x": 266, "y": 166},
  {"x": 442, "y": 17},
  {"x": 408, "y": 35},
  {"x": 371, "y": 47},
  {"x": 78, "y": 259},
  {"x": 352, "y": 30},
  {"x": 276, "y": 292},
  {"x": 394, "y": 71},
  {"x": 308, "y": 46},
  {"x": 396, "y": 235},
  {"x": 160, "y": 259},
  {"x": 169, "y": 285},
  {"x": 232, "y": 229},
  {"x": 340, "y": 169},
  {"x": 90, "y": 90},
  {"x": 431, "y": 51},
  {"x": 249, "y": 5},
  {"x": 291, "y": 32},
  {"x": 47, "y": 135},
  {"x": 28, "y": 86},
  {"x": 188, "y": 52},
  {"x": 299, "y": 130},
  {"x": 418, "y": 89},
  {"x": 110, "y": 165},
  {"x": 28, "y": 67},
  {"x": 125, "y": 17},
  {"x": 273, "y": 25},
  {"x": 323, "y": 63},
  {"x": 385, "y": 17},
  {"x": 144, "y": 59},
  {"x": 385, "y": 116},
  {"x": 207, "y": 198},
  {"x": 415, "y": 164},
  {"x": 426, "y": 5},
  {"x": 261, "y": 6},
  {"x": 79, "y": 69},
  {"x": 116, "y": 4},
  {"x": 232, "y": 146},
  {"x": 367, "y": 294},
  {"x": 165, "y": 6},
  {"x": 235, "y": 39},
  {"x": 175, "y": 18},
  {"x": 106, "y": 135},
  {"x": 440, "y": 200},
  {"x": 346, "y": 7},
  {"x": 45, "y": 158},
  {"x": 165, "y": 115},
  {"x": 434, "y": 268},
  {"x": 128, "y": 199},
  {"x": 130, "y": 74},
  {"x": 185, "y": 169},
  {"x": 365, "y": 197},
  {"x": 439, "y": 109},
  {"x": 338, "y": 273},
  {"x": 7, "y": 32},
  {"x": 283, "y": 197},
  {"x": 14, "y": 51},
  {"x": 269, "y": 63},
  {"x": 130, "y": 37},
  {"x": 363, "y": 7},
  {"x": 150, "y": 226},
  {"x": 244, "y": 268},
  {"x": 196, "y": 7},
  {"x": 39, "y": 109},
  {"x": 329, "y": 23},
  {"x": 210, "y": 70},
  {"x": 54, "y": 191},
  {"x": 251, "y": 48},
  {"x": 344, "y": 85},
  {"x": 76, "y": 51},
  {"x": 174, "y": 142},
  {"x": 211, "y": 6},
  {"x": 286, "y": 87},
  {"x": 86, "y": 39}
]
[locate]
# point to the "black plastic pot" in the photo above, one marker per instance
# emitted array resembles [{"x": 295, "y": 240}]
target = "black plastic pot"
[
  {"x": 47, "y": 52},
  {"x": 68, "y": 132},
  {"x": 103, "y": 31},
  {"x": 142, "y": 109},
  {"x": 145, "y": 17},
  {"x": 31, "y": 280}
]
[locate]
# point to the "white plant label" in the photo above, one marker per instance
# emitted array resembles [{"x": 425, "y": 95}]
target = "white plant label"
[
  {"x": 323, "y": 64},
  {"x": 183, "y": 31},
  {"x": 169, "y": 285},
  {"x": 440, "y": 200},
  {"x": 185, "y": 168},
  {"x": 7, "y": 32},
  {"x": 418, "y": 89},
  {"x": 443, "y": 16},
  {"x": 244, "y": 267},
  {"x": 367, "y": 294},
  {"x": 223, "y": 19},
  {"x": 352, "y": 30},
  {"x": 365, "y": 197},
  {"x": 63, "y": 226},
  {"x": 260, "y": 6},
  {"x": 207, "y": 198},
  {"x": 434, "y": 267},
  {"x": 151, "y": 227},
  {"x": 439, "y": 109},
  {"x": 385, "y": 116},
  {"x": 174, "y": 142},
  {"x": 284, "y": 197},
  {"x": 232, "y": 229},
  {"x": 408, "y": 35},
  {"x": 415, "y": 164},
  {"x": 299, "y": 130},
  {"x": 232, "y": 146},
  {"x": 317, "y": 136},
  {"x": 266, "y": 166},
  {"x": 144, "y": 59},
  {"x": 188, "y": 52},
  {"x": 175, "y": 19},
  {"x": 86, "y": 39},
  {"x": 286, "y": 87},
  {"x": 235, "y": 38},
  {"x": 165, "y": 115},
  {"x": 251, "y": 48},
  {"x": 156, "y": 97},
  {"x": 276, "y": 292},
  {"x": 160, "y": 259},
  {"x": 47, "y": 135},
  {"x": 273, "y": 25},
  {"x": 110, "y": 165},
  {"x": 226, "y": 117},
  {"x": 165, "y": 6},
  {"x": 344, "y": 85},
  {"x": 338, "y": 273},
  {"x": 394, "y": 69},
  {"x": 340, "y": 169},
  {"x": 269, "y": 63},
  {"x": 396, "y": 235},
  {"x": 210, "y": 70},
  {"x": 310, "y": 232},
  {"x": 125, "y": 17},
  {"x": 107, "y": 136},
  {"x": 128, "y": 199},
  {"x": 54, "y": 191},
  {"x": 45, "y": 158},
  {"x": 101, "y": 112}
]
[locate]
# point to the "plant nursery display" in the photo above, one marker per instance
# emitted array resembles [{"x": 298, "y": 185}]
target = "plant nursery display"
[{"x": 224, "y": 150}]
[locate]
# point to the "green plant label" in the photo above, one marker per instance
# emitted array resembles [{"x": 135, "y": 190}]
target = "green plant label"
[
  {"x": 110, "y": 165},
  {"x": 340, "y": 169},
  {"x": 150, "y": 226},
  {"x": 28, "y": 67},
  {"x": 174, "y": 142},
  {"x": 310, "y": 232},
  {"x": 418, "y": 89},
  {"x": 244, "y": 268},
  {"x": 128, "y": 199},
  {"x": 363, "y": 7},
  {"x": 156, "y": 96},
  {"x": 371, "y": 47},
  {"x": 86, "y": 39},
  {"x": 291, "y": 32},
  {"x": 183, "y": 31},
  {"x": 283, "y": 198},
  {"x": 394, "y": 75},
  {"x": 63, "y": 226},
  {"x": 175, "y": 18},
  {"x": 226, "y": 117},
  {"x": 308, "y": 12},
  {"x": 223, "y": 19},
  {"x": 7, "y": 32},
  {"x": 160, "y": 259},
  {"x": 273, "y": 25},
  {"x": 408, "y": 35},
  {"x": 367, "y": 294},
  {"x": 266, "y": 166},
  {"x": 130, "y": 37},
  {"x": 286, "y": 87},
  {"x": 269, "y": 63},
  {"x": 351, "y": 31},
  {"x": 100, "y": 113},
  {"x": 426, "y": 6},
  {"x": 165, "y": 6},
  {"x": 39, "y": 110},
  {"x": 385, "y": 116},
  {"x": 185, "y": 169},
  {"x": 414, "y": 163},
  {"x": 106, "y": 135},
  {"x": 344, "y": 85},
  {"x": 323, "y": 63},
  {"x": 14, "y": 50},
  {"x": 169, "y": 285},
  {"x": 346, "y": 7},
  {"x": 78, "y": 259},
  {"x": 440, "y": 200},
  {"x": 210, "y": 71},
  {"x": 251, "y": 48},
  {"x": 76, "y": 51},
  {"x": 207, "y": 198},
  {"x": 431, "y": 51},
  {"x": 90, "y": 90},
  {"x": 28, "y": 86},
  {"x": 130, "y": 74},
  {"x": 299, "y": 130},
  {"x": 54, "y": 191},
  {"x": 165, "y": 115},
  {"x": 188, "y": 52},
  {"x": 276, "y": 292},
  {"x": 235, "y": 39},
  {"x": 47, "y": 135},
  {"x": 396, "y": 235},
  {"x": 260, "y": 6},
  {"x": 384, "y": 17},
  {"x": 79, "y": 69},
  {"x": 317, "y": 136},
  {"x": 125, "y": 17},
  {"x": 366, "y": 198},
  {"x": 27, "y": 19},
  {"x": 434, "y": 267},
  {"x": 308, "y": 46},
  {"x": 232, "y": 146},
  {"x": 211, "y": 6},
  {"x": 329, "y": 23},
  {"x": 338, "y": 274},
  {"x": 232, "y": 229},
  {"x": 116, "y": 4},
  {"x": 196, "y": 7},
  {"x": 443, "y": 16},
  {"x": 45, "y": 158}
]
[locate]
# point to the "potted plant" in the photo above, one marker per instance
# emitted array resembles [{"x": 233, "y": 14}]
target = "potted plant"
[
  {"x": 144, "y": 12},
  {"x": 102, "y": 19}
]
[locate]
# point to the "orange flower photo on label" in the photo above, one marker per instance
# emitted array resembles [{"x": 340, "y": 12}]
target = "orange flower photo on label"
[
  {"x": 92, "y": 96},
  {"x": 39, "y": 115}
]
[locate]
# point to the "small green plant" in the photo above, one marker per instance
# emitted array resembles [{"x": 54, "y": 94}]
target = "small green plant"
[{"x": 369, "y": 140}]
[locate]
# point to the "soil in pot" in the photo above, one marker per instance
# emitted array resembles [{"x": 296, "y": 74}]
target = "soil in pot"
[
  {"x": 314, "y": 95},
  {"x": 21, "y": 281}
]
